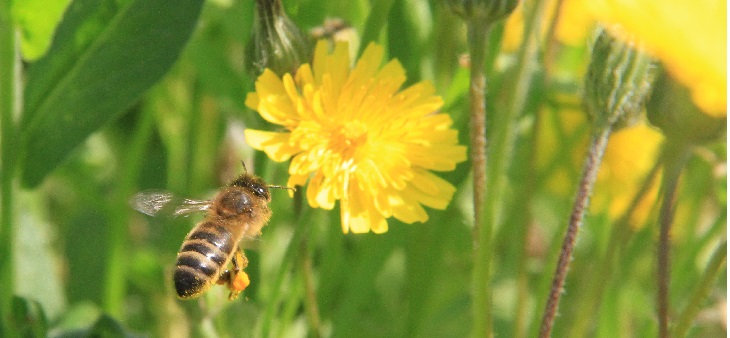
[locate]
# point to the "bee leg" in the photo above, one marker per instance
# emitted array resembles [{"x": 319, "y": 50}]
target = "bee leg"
[{"x": 236, "y": 279}]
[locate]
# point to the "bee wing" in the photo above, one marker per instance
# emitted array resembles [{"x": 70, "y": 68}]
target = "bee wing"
[{"x": 165, "y": 203}]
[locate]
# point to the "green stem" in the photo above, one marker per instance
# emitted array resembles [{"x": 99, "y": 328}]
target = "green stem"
[
  {"x": 500, "y": 154},
  {"x": 676, "y": 157},
  {"x": 267, "y": 321},
  {"x": 525, "y": 219},
  {"x": 703, "y": 289},
  {"x": 481, "y": 236},
  {"x": 9, "y": 101},
  {"x": 582, "y": 199},
  {"x": 114, "y": 279},
  {"x": 310, "y": 299}
]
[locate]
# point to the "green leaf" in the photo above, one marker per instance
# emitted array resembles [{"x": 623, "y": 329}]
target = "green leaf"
[
  {"x": 27, "y": 318},
  {"x": 102, "y": 59},
  {"x": 37, "y": 19},
  {"x": 376, "y": 20}
]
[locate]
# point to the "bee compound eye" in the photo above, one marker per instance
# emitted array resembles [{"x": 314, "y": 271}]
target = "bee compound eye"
[{"x": 260, "y": 191}]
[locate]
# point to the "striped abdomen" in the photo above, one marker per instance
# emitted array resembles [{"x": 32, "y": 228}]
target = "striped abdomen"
[{"x": 204, "y": 254}]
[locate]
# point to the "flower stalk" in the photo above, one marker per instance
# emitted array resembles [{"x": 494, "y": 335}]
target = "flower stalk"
[
  {"x": 617, "y": 84},
  {"x": 479, "y": 17},
  {"x": 620, "y": 233},
  {"x": 675, "y": 160},
  {"x": 585, "y": 189},
  {"x": 481, "y": 234}
]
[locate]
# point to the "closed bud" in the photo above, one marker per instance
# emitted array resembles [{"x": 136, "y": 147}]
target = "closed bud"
[
  {"x": 488, "y": 10},
  {"x": 277, "y": 43},
  {"x": 672, "y": 109},
  {"x": 618, "y": 82}
]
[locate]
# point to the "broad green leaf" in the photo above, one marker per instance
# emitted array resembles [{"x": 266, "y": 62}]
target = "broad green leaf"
[
  {"x": 103, "y": 58},
  {"x": 37, "y": 19}
]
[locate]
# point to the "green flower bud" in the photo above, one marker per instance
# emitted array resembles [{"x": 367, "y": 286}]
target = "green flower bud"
[
  {"x": 277, "y": 43},
  {"x": 489, "y": 10},
  {"x": 672, "y": 109},
  {"x": 617, "y": 83}
]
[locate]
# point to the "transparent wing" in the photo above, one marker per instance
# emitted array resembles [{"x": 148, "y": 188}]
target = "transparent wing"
[{"x": 164, "y": 203}]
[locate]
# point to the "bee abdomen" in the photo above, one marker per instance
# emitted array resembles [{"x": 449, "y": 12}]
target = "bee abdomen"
[{"x": 201, "y": 259}]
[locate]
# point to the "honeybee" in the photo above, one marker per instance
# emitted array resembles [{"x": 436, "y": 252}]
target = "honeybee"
[{"x": 237, "y": 211}]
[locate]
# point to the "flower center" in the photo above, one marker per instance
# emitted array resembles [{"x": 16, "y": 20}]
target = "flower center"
[{"x": 348, "y": 139}]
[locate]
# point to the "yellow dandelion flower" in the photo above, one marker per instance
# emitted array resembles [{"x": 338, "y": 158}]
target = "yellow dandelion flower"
[{"x": 356, "y": 138}]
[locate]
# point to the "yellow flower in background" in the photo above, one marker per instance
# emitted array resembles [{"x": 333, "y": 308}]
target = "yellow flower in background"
[
  {"x": 689, "y": 37},
  {"x": 573, "y": 28},
  {"x": 356, "y": 138},
  {"x": 629, "y": 156}
]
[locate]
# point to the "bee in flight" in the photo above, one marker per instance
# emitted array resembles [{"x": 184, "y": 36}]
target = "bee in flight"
[{"x": 238, "y": 210}]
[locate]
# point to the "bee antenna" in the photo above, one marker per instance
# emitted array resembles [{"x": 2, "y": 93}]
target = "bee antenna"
[
  {"x": 244, "y": 166},
  {"x": 282, "y": 187}
]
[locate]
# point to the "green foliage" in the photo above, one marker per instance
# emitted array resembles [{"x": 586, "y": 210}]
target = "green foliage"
[
  {"x": 104, "y": 56},
  {"x": 149, "y": 94}
]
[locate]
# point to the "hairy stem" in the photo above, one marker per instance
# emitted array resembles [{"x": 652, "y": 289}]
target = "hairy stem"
[
  {"x": 620, "y": 233},
  {"x": 477, "y": 35},
  {"x": 585, "y": 189}
]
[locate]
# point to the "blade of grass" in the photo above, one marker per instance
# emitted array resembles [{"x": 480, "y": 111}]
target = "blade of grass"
[
  {"x": 719, "y": 258},
  {"x": 675, "y": 160},
  {"x": 114, "y": 280},
  {"x": 9, "y": 85}
]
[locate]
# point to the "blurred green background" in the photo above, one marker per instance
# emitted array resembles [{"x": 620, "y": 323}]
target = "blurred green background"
[{"x": 133, "y": 95}]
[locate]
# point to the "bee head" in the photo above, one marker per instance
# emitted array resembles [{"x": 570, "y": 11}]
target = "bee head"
[{"x": 252, "y": 184}]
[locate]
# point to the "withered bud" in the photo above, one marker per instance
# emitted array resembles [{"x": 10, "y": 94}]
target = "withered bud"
[{"x": 277, "y": 43}]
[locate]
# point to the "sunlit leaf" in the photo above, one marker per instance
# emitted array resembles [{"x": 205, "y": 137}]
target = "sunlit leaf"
[{"x": 37, "y": 20}]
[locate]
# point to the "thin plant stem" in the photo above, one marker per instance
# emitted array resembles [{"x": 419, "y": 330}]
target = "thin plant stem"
[
  {"x": 114, "y": 280},
  {"x": 9, "y": 103},
  {"x": 709, "y": 277},
  {"x": 477, "y": 36},
  {"x": 499, "y": 154},
  {"x": 620, "y": 233},
  {"x": 478, "y": 119},
  {"x": 582, "y": 199},
  {"x": 676, "y": 157},
  {"x": 523, "y": 292},
  {"x": 310, "y": 299},
  {"x": 266, "y": 324}
]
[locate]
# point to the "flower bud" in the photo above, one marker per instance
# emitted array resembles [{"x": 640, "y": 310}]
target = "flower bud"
[
  {"x": 672, "y": 109},
  {"x": 617, "y": 83},
  {"x": 277, "y": 43},
  {"x": 489, "y": 10}
]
